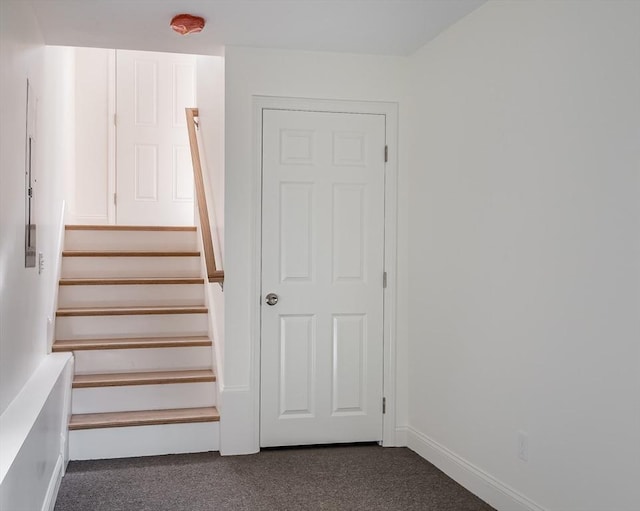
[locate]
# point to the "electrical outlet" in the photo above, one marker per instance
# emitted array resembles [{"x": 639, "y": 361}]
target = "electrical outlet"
[{"x": 523, "y": 446}]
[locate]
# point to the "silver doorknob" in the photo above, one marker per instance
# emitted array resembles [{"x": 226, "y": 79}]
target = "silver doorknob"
[{"x": 271, "y": 299}]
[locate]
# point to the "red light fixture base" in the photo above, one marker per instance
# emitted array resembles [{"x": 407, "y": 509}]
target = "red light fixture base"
[{"x": 187, "y": 24}]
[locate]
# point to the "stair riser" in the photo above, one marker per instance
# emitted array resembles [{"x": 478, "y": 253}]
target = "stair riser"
[
  {"x": 130, "y": 295},
  {"x": 110, "y": 344},
  {"x": 110, "y": 267},
  {"x": 130, "y": 240},
  {"x": 101, "y": 327},
  {"x": 143, "y": 397},
  {"x": 138, "y": 360},
  {"x": 127, "y": 442}
]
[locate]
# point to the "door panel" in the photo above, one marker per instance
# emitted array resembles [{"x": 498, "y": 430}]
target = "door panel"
[
  {"x": 154, "y": 178},
  {"x": 297, "y": 371},
  {"x": 322, "y": 254},
  {"x": 349, "y": 358}
]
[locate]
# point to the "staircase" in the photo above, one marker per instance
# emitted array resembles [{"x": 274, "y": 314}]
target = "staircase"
[{"x": 131, "y": 308}]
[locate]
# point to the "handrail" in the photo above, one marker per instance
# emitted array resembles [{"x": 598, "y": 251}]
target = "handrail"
[{"x": 213, "y": 274}]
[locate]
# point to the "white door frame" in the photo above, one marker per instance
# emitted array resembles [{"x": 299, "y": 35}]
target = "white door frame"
[
  {"x": 111, "y": 139},
  {"x": 390, "y": 110}
]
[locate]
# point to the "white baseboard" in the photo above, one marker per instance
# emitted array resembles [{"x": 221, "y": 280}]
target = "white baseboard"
[
  {"x": 497, "y": 494},
  {"x": 54, "y": 485}
]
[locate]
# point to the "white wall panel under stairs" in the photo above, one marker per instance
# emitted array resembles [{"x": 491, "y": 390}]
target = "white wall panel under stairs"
[{"x": 131, "y": 309}]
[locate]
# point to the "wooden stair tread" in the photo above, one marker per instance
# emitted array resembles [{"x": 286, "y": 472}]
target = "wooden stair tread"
[
  {"x": 130, "y": 228},
  {"x": 130, "y": 253},
  {"x": 130, "y": 281},
  {"x": 143, "y": 418},
  {"x": 82, "y": 381},
  {"x": 131, "y": 311},
  {"x": 131, "y": 343}
]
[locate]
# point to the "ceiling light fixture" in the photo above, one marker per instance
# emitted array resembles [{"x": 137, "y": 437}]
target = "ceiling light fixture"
[{"x": 187, "y": 24}]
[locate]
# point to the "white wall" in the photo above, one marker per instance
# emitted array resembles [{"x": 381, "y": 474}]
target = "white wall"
[
  {"x": 210, "y": 94},
  {"x": 21, "y": 57},
  {"x": 524, "y": 253},
  {"x": 32, "y": 422},
  {"x": 56, "y": 170},
  {"x": 94, "y": 69},
  {"x": 211, "y": 97},
  {"x": 26, "y": 295},
  {"x": 252, "y": 72}
]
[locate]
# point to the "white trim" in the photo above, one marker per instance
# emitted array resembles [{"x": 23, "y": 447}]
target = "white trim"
[
  {"x": 235, "y": 424},
  {"x": 213, "y": 335},
  {"x": 216, "y": 354},
  {"x": 111, "y": 137},
  {"x": 390, "y": 111},
  {"x": 498, "y": 494},
  {"x": 401, "y": 436},
  {"x": 57, "y": 265},
  {"x": 391, "y": 267},
  {"x": 66, "y": 415},
  {"x": 255, "y": 274},
  {"x": 54, "y": 485},
  {"x": 235, "y": 388}
]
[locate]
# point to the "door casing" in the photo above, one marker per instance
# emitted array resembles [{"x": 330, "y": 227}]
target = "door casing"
[
  {"x": 112, "y": 139},
  {"x": 390, "y": 111}
]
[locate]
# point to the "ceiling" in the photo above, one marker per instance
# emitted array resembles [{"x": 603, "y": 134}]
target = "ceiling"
[{"x": 383, "y": 27}]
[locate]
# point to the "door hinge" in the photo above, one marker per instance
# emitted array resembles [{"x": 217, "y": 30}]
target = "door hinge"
[
  {"x": 384, "y": 405},
  {"x": 384, "y": 279},
  {"x": 115, "y": 199},
  {"x": 386, "y": 153}
]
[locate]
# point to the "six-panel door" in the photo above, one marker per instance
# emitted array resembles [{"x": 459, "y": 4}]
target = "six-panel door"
[
  {"x": 322, "y": 255},
  {"x": 154, "y": 173}
]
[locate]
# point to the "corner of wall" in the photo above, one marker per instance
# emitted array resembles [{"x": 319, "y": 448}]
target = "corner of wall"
[{"x": 499, "y": 495}]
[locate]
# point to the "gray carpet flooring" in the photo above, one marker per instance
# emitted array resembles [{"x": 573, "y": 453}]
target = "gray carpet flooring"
[{"x": 363, "y": 477}]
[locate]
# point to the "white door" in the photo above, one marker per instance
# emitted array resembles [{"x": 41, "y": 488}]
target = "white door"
[
  {"x": 322, "y": 255},
  {"x": 154, "y": 177}
]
